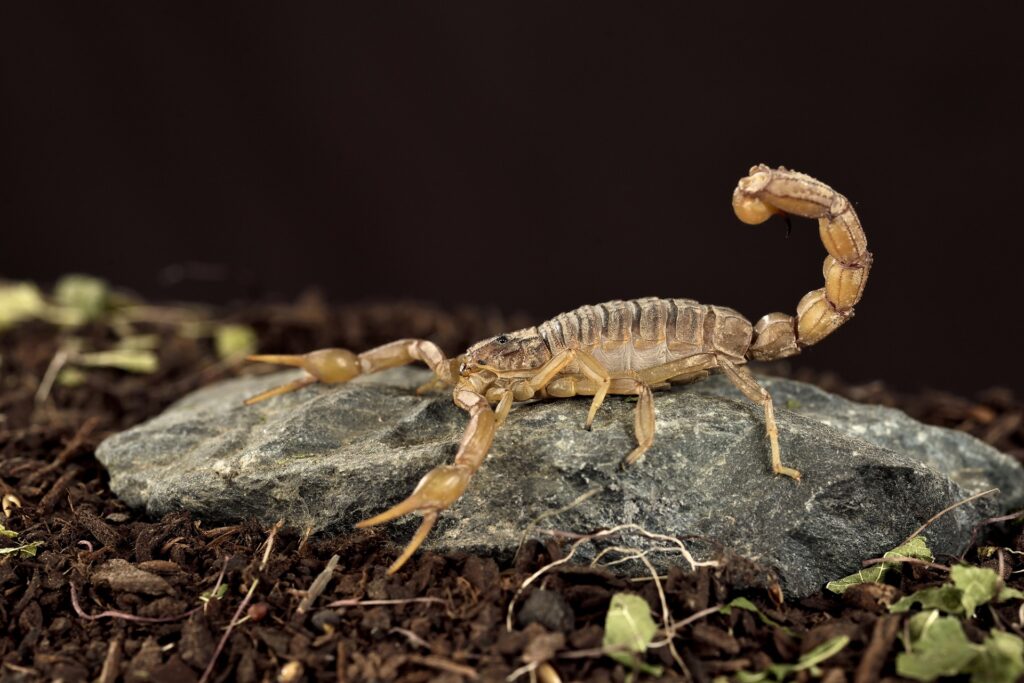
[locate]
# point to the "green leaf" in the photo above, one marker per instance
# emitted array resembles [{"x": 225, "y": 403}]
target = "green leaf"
[
  {"x": 917, "y": 548},
  {"x": 628, "y": 630},
  {"x": 977, "y": 585},
  {"x": 971, "y": 587},
  {"x": 826, "y": 650},
  {"x": 131, "y": 360},
  {"x": 139, "y": 341},
  {"x": 71, "y": 377},
  {"x": 1007, "y": 593},
  {"x": 938, "y": 647},
  {"x": 808, "y": 660},
  {"x": 27, "y": 550},
  {"x": 747, "y": 605},
  {"x": 234, "y": 340},
  {"x": 19, "y": 301},
  {"x": 1001, "y": 659},
  {"x": 946, "y": 598},
  {"x": 7, "y": 533},
  {"x": 83, "y": 293},
  {"x": 211, "y": 594}
]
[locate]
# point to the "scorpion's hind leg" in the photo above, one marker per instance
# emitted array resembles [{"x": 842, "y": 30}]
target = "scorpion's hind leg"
[
  {"x": 443, "y": 485},
  {"x": 333, "y": 366},
  {"x": 748, "y": 384}
]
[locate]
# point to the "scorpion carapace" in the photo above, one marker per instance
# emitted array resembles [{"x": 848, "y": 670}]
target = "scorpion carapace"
[{"x": 619, "y": 347}]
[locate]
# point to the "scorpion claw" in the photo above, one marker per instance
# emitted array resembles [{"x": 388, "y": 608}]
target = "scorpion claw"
[
  {"x": 436, "y": 491},
  {"x": 330, "y": 366}
]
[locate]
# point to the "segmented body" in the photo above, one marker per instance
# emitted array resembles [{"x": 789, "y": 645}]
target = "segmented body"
[{"x": 640, "y": 334}]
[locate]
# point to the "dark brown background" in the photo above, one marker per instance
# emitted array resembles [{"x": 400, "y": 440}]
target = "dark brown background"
[{"x": 535, "y": 156}]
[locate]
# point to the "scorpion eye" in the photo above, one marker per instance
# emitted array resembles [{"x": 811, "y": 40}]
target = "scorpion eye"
[{"x": 503, "y": 339}]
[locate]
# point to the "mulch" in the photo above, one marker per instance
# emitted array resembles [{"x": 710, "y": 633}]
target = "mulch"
[{"x": 114, "y": 595}]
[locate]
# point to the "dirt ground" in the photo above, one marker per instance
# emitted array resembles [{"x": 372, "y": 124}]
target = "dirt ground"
[{"x": 111, "y": 594}]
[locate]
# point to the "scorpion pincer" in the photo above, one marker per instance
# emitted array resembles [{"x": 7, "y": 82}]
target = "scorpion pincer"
[{"x": 619, "y": 347}]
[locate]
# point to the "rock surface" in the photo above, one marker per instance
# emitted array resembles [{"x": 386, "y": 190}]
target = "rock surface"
[{"x": 327, "y": 457}]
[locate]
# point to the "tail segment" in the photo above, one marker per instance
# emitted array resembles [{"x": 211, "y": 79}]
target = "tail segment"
[{"x": 766, "y": 192}]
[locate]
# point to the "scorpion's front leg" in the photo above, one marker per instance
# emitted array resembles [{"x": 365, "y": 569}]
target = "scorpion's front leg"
[
  {"x": 443, "y": 485},
  {"x": 333, "y": 366}
]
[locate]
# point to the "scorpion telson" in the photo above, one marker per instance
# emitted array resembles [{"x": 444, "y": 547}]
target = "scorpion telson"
[{"x": 619, "y": 347}]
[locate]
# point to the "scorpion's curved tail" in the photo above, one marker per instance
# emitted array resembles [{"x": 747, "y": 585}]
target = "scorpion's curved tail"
[{"x": 768, "y": 191}]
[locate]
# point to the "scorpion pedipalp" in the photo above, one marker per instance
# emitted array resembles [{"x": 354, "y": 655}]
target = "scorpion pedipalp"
[
  {"x": 330, "y": 366},
  {"x": 443, "y": 485}
]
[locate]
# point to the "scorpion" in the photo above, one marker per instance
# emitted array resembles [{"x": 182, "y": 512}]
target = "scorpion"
[{"x": 619, "y": 347}]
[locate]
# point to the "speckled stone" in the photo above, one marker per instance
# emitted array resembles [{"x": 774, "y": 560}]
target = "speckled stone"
[{"x": 327, "y": 457}]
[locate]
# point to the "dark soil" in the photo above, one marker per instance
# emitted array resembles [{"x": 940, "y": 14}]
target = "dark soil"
[{"x": 112, "y": 594}]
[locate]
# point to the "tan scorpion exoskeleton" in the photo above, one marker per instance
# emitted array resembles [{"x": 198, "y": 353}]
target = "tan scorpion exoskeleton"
[{"x": 619, "y": 347}]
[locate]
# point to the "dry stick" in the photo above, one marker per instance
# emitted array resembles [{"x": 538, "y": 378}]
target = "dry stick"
[
  {"x": 132, "y": 617},
  {"x": 124, "y": 615},
  {"x": 242, "y": 605},
  {"x": 696, "y": 616},
  {"x": 58, "y": 488},
  {"x": 551, "y": 513},
  {"x": 318, "y": 585},
  {"x": 590, "y": 537},
  {"x": 356, "y": 602},
  {"x": 67, "y": 453},
  {"x": 990, "y": 520},
  {"x": 908, "y": 560},
  {"x": 50, "y": 376},
  {"x": 955, "y": 505},
  {"x": 340, "y": 658},
  {"x": 112, "y": 663},
  {"x": 877, "y": 651},
  {"x": 442, "y": 664}
]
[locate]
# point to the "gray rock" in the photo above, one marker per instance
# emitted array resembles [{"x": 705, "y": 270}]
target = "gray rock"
[{"x": 327, "y": 457}]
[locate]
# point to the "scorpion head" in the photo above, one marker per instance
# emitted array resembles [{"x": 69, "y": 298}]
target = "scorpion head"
[{"x": 520, "y": 350}]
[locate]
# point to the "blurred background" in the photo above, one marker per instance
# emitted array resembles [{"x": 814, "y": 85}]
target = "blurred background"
[{"x": 529, "y": 157}]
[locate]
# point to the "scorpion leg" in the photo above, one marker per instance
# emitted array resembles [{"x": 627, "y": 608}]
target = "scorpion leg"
[
  {"x": 443, "y": 485},
  {"x": 590, "y": 366},
  {"x": 643, "y": 421},
  {"x": 333, "y": 366},
  {"x": 748, "y": 384}
]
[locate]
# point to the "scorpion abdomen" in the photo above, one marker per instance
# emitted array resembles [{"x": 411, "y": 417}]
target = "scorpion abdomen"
[{"x": 642, "y": 333}]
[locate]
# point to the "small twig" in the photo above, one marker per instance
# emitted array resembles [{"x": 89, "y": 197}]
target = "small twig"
[
  {"x": 954, "y": 506},
  {"x": 356, "y": 602},
  {"x": 551, "y": 513},
  {"x": 112, "y": 663},
  {"x": 50, "y": 499},
  {"x": 124, "y": 615},
  {"x": 590, "y": 537},
  {"x": 442, "y": 664},
  {"x": 270, "y": 543},
  {"x": 220, "y": 579},
  {"x": 908, "y": 560},
  {"x": 68, "y": 451},
  {"x": 318, "y": 586},
  {"x": 411, "y": 637},
  {"x": 236, "y": 618},
  {"x": 50, "y": 376},
  {"x": 696, "y": 616},
  {"x": 990, "y": 520}
]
